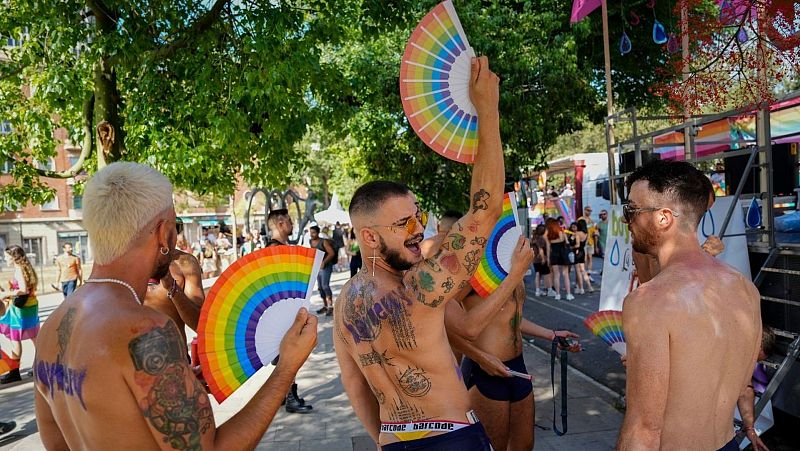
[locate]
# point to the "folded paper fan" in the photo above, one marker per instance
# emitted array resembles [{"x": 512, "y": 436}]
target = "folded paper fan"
[
  {"x": 607, "y": 324},
  {"x": 496, "y": 261},
  {"x": 434, "y": 85},
  {"x": 249, "y": 309}
]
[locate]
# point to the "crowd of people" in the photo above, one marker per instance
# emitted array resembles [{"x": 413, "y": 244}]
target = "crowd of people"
[
  {"x": 561, "y": 250},
  {"x": 426, "y": 362}
]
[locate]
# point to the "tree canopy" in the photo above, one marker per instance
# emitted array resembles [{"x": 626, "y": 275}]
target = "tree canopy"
[
  {"x": 205, "y": 92},
  {"x": 212, "y": 91}
]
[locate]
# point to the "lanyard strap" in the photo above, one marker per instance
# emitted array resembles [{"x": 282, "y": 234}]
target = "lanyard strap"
[{"x": 553, "y": 352}]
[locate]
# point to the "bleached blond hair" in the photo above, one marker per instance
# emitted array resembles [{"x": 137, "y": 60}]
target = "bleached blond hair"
[{"x": 118, "y": 202}]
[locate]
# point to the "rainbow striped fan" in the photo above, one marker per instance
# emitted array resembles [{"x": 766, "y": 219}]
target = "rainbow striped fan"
[
  {"x": 249, "y": 309},
  {"x": 496, "y": 261},
  {"x": 434, "y": 85},
  {"x": 607, "y": 324}
]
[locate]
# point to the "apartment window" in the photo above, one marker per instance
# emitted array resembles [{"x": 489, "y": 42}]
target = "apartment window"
[
  {"x": 5, "y": 127},
  {"x": 7, "y": 167},
  {"x": 33, "y": 248},
  {"x": 49, "y": 165},
  {"x": 50, "y": 206},
  {"x": 77, "y": 202}
]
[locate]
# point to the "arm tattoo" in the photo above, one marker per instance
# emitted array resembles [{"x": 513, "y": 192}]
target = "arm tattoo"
[
  {"x": 478, "y": 241},
  {"x": 422, "y": 298},
  {"x": 458, "y": 241},
  {"x": 426, "y": 281},
  {"x": 472, "y": 259},
  {"x": 479, "y": 200},
  {"x": 175, "y": 408},
  {"x": 448, "y": 285}
]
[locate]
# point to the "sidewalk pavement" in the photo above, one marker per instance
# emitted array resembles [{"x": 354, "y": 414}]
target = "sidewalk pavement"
[{"x": 332, "y": 426}]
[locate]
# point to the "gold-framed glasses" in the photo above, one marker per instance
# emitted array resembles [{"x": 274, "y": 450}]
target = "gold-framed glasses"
[{"x": 411, "y": 223}]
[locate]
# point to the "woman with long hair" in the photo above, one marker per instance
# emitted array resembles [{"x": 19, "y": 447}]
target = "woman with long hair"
[
  {"x": 21, "y": 320},
  {"x": 559, "y": 259},
  {"x": 581, "y": 234}
]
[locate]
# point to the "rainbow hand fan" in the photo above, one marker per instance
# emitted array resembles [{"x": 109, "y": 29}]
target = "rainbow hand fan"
[
  {"x": 496, "y": 261},
  {"x": 434, "y": 85},
  {"x": 249, "y": 309},
  {"x": 607, "y": 324}
]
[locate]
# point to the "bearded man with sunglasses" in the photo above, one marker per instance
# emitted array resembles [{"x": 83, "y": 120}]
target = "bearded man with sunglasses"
[
  {"x": 179, "y": 294},
  {"x": 397, "y": 366},
  {"x": 693, "y": 331}
]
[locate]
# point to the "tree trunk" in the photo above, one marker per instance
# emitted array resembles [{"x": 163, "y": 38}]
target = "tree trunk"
[
  {"x": 107, "y": 109},
  {"x": 106, "y": 96}
]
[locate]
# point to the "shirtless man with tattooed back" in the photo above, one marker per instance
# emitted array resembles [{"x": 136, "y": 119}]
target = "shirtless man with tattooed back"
[
  {"x": 111, "y": 372},
  {"x": 396, "y": 363}
]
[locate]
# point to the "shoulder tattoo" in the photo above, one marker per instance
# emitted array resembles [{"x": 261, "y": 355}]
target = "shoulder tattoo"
[{"x": 179, "y": 410}]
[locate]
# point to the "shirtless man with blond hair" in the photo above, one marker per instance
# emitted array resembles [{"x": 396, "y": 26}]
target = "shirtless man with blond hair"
[
  {"x": 397, "y": 366},
  {"x": 111, "y": 372},
  {"x": 693, "y": 331}
]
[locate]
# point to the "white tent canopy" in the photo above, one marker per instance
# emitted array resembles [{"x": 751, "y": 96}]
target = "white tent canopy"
[{"x": 335, "y": 213}]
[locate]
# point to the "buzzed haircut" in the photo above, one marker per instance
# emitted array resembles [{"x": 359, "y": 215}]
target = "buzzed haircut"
[
  {"x": 276, "y": 216},
  {"x": 370, "y": 196},
  {"x": 118, "y": 202},
  {"x": 678, "y": 181}
]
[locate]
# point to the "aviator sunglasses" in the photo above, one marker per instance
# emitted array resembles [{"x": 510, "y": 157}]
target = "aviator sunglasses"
[
  {"x": 629, "y": 212},
  {"x": 410, "y": 224}
]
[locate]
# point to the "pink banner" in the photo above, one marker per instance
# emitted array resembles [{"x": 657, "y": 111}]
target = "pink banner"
[{"x": 582, "y": 8}]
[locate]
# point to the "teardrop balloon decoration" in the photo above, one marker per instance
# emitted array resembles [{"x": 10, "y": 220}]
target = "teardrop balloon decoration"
[
  {"x": 753, "y": 219},
  {"x": 625, "y": 45},
  {"x": 614, "y": 257},
  {"x": 673, "y": 46},
  {"x": 659, "y": 33},
  {"x": 742, "y": 35}
]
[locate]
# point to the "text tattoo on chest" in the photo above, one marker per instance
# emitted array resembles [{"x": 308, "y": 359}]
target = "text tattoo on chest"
[{"x": 364, "y": 317}]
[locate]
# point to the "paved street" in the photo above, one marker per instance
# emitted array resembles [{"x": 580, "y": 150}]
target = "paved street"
[{"x": 593, "y": 421}]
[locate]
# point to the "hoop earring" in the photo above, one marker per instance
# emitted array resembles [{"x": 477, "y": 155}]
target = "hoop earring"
[{"x": 164, "y": 251}]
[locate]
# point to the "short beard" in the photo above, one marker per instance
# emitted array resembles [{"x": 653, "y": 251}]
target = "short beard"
[
  {"x": 393, "y": 258},
  {"x": 163, "y": 266},
  {"x": 645, "y": 241}
]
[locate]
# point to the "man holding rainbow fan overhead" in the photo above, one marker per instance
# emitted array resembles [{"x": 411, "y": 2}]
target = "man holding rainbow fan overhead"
[{"x": 397, "y": 366}]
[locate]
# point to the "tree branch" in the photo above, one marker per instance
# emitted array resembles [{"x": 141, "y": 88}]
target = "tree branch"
[
  {"x": 86, "y": 150},
  {"x": 199, "y": 27},
  {"x": 101, "y": 10}
]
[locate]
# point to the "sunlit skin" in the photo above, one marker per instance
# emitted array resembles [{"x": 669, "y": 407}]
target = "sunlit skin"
[
  {"x": 395, "y": 360},
  {"x": 134, "y": 387},
  {"x": 693, "y": 333}
]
